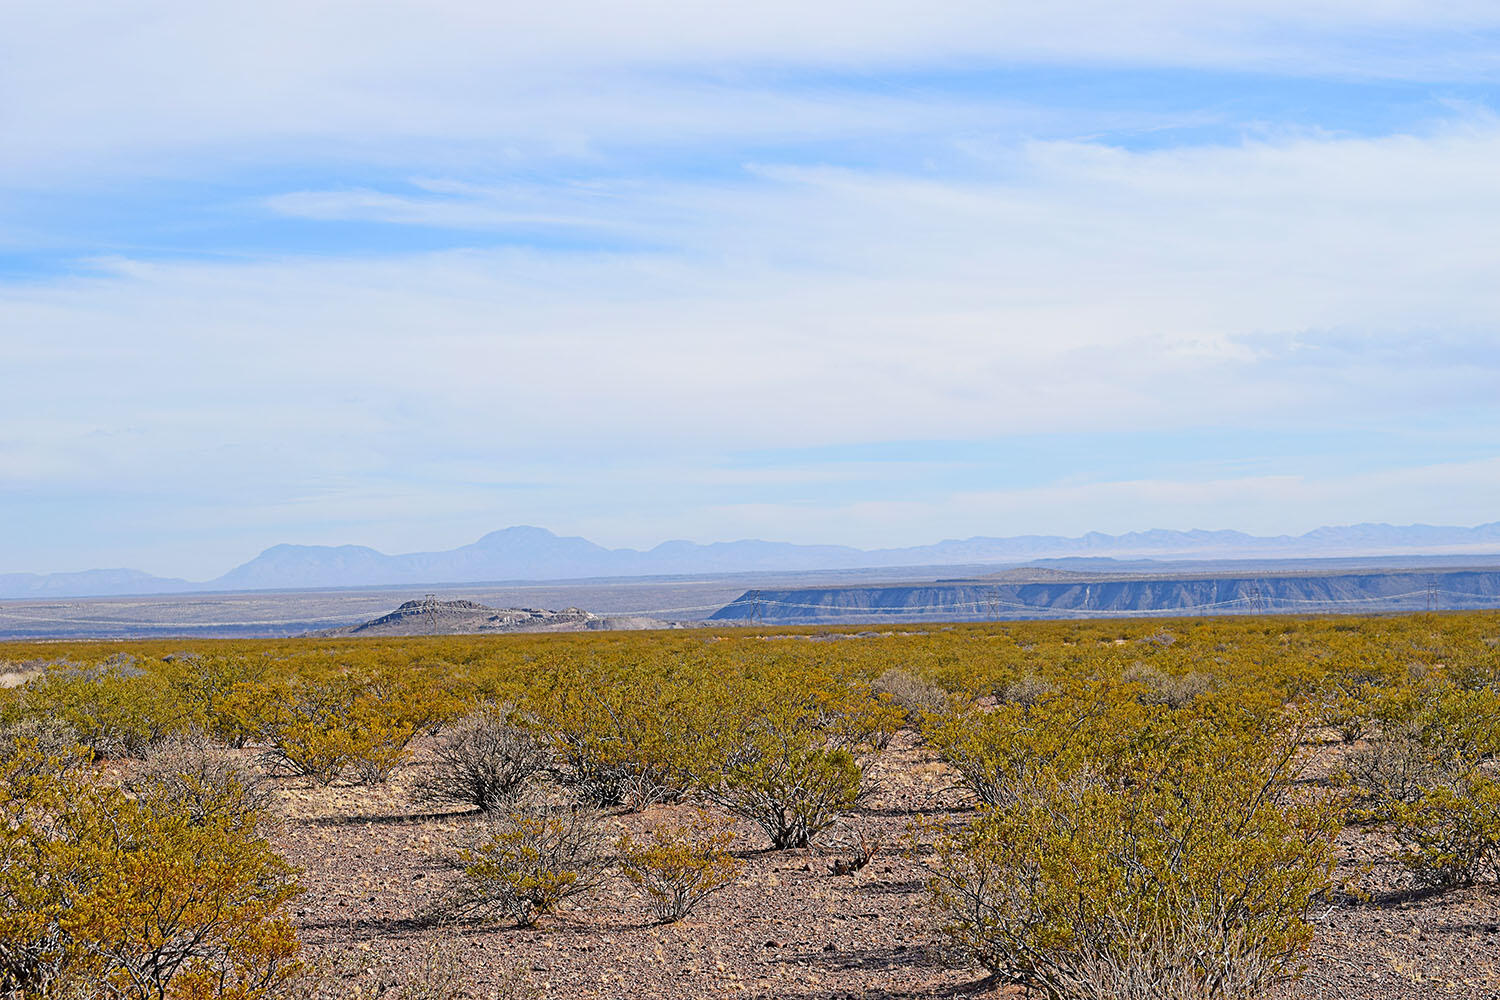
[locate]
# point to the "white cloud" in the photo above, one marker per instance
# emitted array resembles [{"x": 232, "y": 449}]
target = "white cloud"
[
  {"x": 1007, "y": 286},
  {"x": 96, "y": 87},
  {"x": 1095, "y": 288}
]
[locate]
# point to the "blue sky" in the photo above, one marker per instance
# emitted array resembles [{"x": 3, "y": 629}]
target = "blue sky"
[{"x": 872, "y": 274}]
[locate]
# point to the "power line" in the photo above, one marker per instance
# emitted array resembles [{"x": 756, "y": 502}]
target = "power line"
[{"x": 758, "y": 604}]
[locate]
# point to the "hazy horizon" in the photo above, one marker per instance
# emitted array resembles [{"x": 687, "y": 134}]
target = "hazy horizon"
[
  {"x": 871, "y": 275},
  {"x": 1332, "y": 542}
]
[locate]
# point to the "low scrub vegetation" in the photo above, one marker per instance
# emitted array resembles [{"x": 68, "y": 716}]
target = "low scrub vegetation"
[
  {"x": 528, "y": 861},
  {"x": 484, "y": 760},
  {"x": 1129, "y": 816},
  {"x": 1168, "y": 861},
  {"x": 679, "y": 865},
  {"x": 134, "y": 896}
]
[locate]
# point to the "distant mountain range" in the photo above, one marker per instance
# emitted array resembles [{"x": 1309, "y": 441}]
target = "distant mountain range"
[{"x": 526, "y": 553}]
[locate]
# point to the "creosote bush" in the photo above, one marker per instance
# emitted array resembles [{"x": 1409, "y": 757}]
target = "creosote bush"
[
  {"x": 115, "y": 708},
  {"x": 483, "y": 760},
  {"x": 1450, "y": 835},
  {"x": 528, "y": 861},
  {"x": 1170, "y": 862},
  {"x": 625, "y": 740},
  {"x": 1003, "y": 752},
  {"x": 203, "y": 782},
  {"x": 793, "y": 767},
  {"x": 1424, "y": 774},
  {"x": 129, "y": 896},
  {"x": 677, "y": 866},
  {"x": 791, "y": 786},
  {"x": 326, "y": 728}
]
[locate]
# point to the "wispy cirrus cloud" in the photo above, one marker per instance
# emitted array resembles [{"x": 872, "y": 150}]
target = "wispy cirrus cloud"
[
  {"x": 400, "y": 275},
  {"x": 99, "y": 88}
]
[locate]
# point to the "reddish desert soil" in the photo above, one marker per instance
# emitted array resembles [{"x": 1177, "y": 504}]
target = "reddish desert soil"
[{"x": 788, "y": 928}]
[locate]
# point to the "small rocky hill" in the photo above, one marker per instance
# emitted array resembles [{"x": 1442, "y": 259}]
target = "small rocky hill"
[{"x": 434, "y": 617}]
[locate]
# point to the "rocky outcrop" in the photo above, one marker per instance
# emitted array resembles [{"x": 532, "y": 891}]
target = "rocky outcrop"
[{"x": 433, "y": 617}]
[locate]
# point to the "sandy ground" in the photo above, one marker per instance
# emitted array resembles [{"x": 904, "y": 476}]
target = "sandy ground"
[{"x": 788, "y": 928}]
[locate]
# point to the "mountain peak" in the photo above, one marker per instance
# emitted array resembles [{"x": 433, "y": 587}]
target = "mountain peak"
[
  {"x": 528, "y": 552},
  {"x": 528, "y": 531}
]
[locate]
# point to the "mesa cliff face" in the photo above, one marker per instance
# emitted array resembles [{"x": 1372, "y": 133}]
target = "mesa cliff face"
[{"x": 1085, "y": 596}]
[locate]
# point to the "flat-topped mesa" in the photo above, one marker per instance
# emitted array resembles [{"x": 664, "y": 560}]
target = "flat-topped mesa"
[{"x": 1047, "y": 593}]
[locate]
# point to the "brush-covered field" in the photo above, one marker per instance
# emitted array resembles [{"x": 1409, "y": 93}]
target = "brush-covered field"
[{"x": 1131, "y": 809}]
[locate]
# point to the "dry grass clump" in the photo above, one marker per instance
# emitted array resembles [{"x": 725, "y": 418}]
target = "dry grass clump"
[
  {"x": 1157, "y": 687},
  {"x": 855, "y": 848},
  {"x": 913, "y": 695}
]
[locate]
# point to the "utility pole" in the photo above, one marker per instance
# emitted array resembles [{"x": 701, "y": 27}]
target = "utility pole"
[
  {"x": 1432, "y": 597},
  {"x": 431, "y": 600}
]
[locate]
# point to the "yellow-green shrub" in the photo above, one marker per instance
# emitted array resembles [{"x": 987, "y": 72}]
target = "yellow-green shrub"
[
  {"x": 630, "y": 738},
  {"x": 1002, "y": 752},
  {"x": 527, "y": 862},
  {"x": 1188, "y": 876},
  {"x": 116, "y": 709},
  {"x": 680, "y": 865},
  {"x": 132, "y": 897},
  {"x": 1450, "y": 835},
  {"x": 1426, "y": 736},
  {"x": 791, "y": 785},
  {"x": 321, "y": 729}
]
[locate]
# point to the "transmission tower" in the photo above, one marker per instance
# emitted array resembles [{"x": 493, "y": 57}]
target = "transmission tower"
[{"x": 1258, "y": 598}]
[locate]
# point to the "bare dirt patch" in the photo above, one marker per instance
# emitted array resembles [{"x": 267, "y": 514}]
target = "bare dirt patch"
[
  {"x": 15, "y": 678},
  {"x": 790, "y": 928}
]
